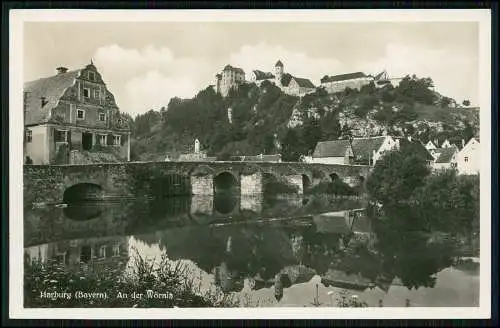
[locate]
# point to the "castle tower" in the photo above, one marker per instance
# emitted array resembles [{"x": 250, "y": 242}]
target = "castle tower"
[
  {"x": 218, "y": 77},
  {"x": 278, "y": 72}
]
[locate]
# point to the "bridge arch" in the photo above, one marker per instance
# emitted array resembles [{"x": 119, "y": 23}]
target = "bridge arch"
[
  {"x": 334, "y": 177},
  {"x": 225, "y": 181},
  {"x": 306, "y": 182},
  {"x": 83, "y": 192}
]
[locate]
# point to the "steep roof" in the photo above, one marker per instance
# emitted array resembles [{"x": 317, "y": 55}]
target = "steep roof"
[
  {"x": 444, "y": 155},
  {"x": 416, "y": 147},
  {"x": 363, "y": 147},
  {"x": 260, "y": 75},
  {"x": 279, "y": 63},
  {"x": 285, "y": 79},
  {"x": 333, "y": 148},
  {"x": 304, "y": 83},
  {"x": 342, "y": 77},
  {"x": 52, "y": 89}
]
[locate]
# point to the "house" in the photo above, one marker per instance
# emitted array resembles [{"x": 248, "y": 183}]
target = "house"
[
  {"x": 230, "y": 78},
  {"x": 290, "y": 84},
  {"x": 468, "y": 159},
  {"x": 338, "y": 83},
  {"x": 416, "y": 147},
  {"x": 366, "y": 151},
  {"x": 444, "y": 158},
  {"x": 446, "y": 144},
  {"x": 72, "y": 118},
  {"x": 430, "y": 145}
]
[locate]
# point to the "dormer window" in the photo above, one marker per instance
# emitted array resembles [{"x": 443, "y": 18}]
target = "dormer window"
[{"x": 91, "y": 76}]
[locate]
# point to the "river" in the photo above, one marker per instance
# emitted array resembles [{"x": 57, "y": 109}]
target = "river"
[{"x": 281, "y": 251}]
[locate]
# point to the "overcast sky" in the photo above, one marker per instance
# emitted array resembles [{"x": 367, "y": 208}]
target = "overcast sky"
[{"x": 145, "y": 64}]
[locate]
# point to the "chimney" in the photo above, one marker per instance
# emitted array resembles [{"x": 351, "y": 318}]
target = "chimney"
[{"x": 61, "y": 70}]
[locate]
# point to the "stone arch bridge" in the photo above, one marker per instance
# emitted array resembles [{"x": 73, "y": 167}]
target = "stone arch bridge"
[{"x": 54, "y": 183}]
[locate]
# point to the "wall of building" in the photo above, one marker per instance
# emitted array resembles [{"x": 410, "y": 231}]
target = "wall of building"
[
  {"x": 469, "y": 159},
  {"x": 338, "y": 86},
  {"x": 328, "y": 160},
  {"x": 36, "y": 149}
]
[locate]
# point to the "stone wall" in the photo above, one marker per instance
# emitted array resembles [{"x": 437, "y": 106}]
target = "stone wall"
[{"x": 47, "y": 183}]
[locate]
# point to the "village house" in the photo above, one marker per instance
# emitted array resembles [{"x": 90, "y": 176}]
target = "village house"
[
  {"x": 72, "y": 118},
  {"x": 444, "y": 158},
  {"x": 365, "y": 151},
  {"x": 230, "y": 77},
  {"x": 446, "y": 144},
  {"x": 468, "y": 159},
  {"x": 430, "y": 145}
]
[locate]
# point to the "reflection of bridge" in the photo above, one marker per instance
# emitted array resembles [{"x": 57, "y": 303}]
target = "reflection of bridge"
[{"x": 52, "y": 183}]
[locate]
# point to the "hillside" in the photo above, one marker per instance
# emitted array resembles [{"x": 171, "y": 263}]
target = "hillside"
[{"x": 265, "y": 120}]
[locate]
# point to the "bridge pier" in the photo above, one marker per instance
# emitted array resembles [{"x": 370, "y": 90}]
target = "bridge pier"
[
  {"x": 202, "y": 184},
  {"x": 295, "y": 180},
  {"x": 252, "y": 184},
  {"x": 202, "y": 204}
]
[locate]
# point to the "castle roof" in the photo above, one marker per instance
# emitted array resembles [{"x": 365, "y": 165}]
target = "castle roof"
[
  {"x": 342, "y": 77},
  {"x": 304, "y": 83},
  {"x": 444, "y": 155},
  {"x": 51, "y": 89},
  {"x": 279, "y": 64},
  {"x": 234, "y": 69},
  {"x": 260, "y": 75}
]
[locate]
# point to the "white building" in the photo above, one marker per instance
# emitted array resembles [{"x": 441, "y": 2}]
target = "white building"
[
  {"x": 339, "y": 83},
  {"x": 468, "y": 159},
  {"x": 363, "y": 151},
  {"x": 444, "y": 158}
]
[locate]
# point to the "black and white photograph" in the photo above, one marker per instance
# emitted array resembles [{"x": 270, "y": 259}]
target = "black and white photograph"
[{"x": 250, "y": 163}]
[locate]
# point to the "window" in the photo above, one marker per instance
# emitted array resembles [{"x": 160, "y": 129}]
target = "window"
[
  {"x": 466, "y": 159},
  {"x": 102, "y": 139},
  {"x": 97, "y": 94},
  {"x": 102, "y": 117},
  {"x": 102, "y": 251},
  {"x": 61, "y": 136},
  {"x": 86, "y": 93},
  {"x": 29, "y": 135},
  {"x": 80, "y": 114},
  {"x": 117, "y": 140},
  {"x": 91, "y": 76}
]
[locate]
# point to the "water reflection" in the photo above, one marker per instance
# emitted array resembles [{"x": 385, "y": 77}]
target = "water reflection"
[{"x": 261, "y": 252}]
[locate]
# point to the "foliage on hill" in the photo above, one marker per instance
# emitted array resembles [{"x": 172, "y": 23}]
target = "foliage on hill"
[{"x": 261, "y": 115}]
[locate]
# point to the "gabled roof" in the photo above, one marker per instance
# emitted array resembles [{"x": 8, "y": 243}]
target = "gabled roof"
[
  {"x": 304, "y": 83},
  {"x": 52, "y": 89},
  {"x": 342, "y": 77},
  {"x": 260, "y": 75},
  {"x": 285, "y": 79},
  {"x": 333, "y": 148},
  {"x": 363, "y": 147},
  {"x": 416, "y": 147},
  {"x": 444, "y": 155}
]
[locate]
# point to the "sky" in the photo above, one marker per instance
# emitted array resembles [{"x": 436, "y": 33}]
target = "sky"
[{"x": 145, "y": 64}]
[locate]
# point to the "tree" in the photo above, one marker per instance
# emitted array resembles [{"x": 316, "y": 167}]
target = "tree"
[
  {"x": 291, "y": 147},
  {"x": 466, "y": 103},
  {"x": 395, "y": 177}
]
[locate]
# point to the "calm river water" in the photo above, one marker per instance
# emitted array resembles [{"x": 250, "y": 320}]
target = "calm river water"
[{"x": 324, "y": 246}]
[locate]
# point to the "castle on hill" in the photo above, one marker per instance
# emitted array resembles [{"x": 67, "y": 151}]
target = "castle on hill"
[{"x": 232, "y": 77}]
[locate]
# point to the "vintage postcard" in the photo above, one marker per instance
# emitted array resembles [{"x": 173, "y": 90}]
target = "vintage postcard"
[{"x": 250, "y": 164}]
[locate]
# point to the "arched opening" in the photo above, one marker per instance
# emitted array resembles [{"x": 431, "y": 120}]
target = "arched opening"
[
  {"x": 306, "y": 182},
  {"x": 225, "y": 182},
  {"x": 361, "y": 180},
  {"x": 83, "y": 212},
  {"x": 225, "y": 203},
  {"x": 171, "y": 185},
  {"x": 83, "y": 192},
  {"x": 334, "y": 177},
  {"x": 86, "y": 254}
]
